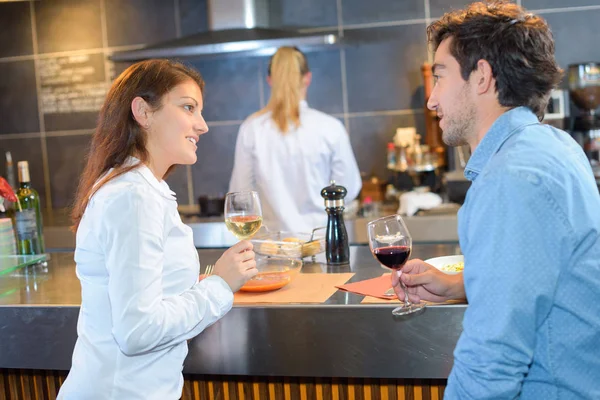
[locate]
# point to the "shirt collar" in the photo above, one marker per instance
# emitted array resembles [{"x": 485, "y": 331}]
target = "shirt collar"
[
  {"x": 303, "y": 104},
  {"x": 504, "y": 127},
  {"x": 161, "y": 186}
]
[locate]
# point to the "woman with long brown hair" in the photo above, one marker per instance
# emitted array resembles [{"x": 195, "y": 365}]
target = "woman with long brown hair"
[
  {"x": 288, "y": 151},
  {"x": 136, "y": 260}
]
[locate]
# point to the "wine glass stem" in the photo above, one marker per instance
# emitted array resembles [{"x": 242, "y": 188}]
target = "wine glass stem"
[{"x": 406, "y": 301}]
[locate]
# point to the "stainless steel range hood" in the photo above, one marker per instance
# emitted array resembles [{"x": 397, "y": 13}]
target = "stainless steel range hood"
[{"x": 236, "y": 26}]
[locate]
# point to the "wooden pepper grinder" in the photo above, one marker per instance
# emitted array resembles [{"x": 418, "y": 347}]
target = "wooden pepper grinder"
[{"x": 336, "y": 238}]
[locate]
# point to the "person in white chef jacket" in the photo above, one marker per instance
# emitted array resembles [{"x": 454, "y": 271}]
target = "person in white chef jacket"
[
  {"x": 141, "y": 298},
  {"x": 288, "y": 151}
]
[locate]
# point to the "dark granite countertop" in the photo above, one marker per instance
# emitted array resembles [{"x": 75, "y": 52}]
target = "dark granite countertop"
[{"x": 39, "y": 308}]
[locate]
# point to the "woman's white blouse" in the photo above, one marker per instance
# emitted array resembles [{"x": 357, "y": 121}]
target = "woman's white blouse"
[
  {"x": 289, "y": 170},
  {"x": 141, "y": 299}
]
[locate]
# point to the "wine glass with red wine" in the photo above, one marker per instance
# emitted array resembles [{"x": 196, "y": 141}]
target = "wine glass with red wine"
[{"x": 391, "y": 244}]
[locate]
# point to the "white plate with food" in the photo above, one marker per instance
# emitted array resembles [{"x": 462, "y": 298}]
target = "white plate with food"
[{"x": 448, "y": 264}]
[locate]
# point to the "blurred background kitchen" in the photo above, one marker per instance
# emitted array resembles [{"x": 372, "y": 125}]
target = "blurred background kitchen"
[{"x": 57, "y": 61}]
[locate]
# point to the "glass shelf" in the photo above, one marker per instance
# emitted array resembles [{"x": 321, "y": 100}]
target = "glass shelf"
[{"x": 9, "y": 264}]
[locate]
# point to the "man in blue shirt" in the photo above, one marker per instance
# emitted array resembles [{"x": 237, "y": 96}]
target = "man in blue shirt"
[{"x": 530, "y": 225}]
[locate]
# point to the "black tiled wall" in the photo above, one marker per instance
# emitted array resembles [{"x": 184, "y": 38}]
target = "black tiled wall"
[
  {"x": 65, "y": 164},
  {"x": 232, "y": 90},
  {"x": 18, "y": 98},
  {"x": 303, "y": 13},
  {"x": 67, "y": 25},
  {"x": 15, "y": 18},
  {"x": 364, "y": 12},
  {"x": 373, "y": 87},
  {"x": 126, "y": 25},
  {"x": 94, "y": 64},
  {"x": 386, "y": 74}
]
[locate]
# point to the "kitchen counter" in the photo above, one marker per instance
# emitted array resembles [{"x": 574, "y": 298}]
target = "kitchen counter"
[
  {"x": 339, "y": 338},
  {"x": 211, "y": 232},
  {"x": 423, "y": 229}
]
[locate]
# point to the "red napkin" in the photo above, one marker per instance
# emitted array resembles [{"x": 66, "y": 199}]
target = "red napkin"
[{"x": 375, "y": 287}]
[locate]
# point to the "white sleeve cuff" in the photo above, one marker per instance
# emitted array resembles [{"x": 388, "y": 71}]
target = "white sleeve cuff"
[{"x": 219, "y": 291}]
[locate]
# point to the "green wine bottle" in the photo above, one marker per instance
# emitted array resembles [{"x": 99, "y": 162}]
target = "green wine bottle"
[{"x": 28, "y": 218}]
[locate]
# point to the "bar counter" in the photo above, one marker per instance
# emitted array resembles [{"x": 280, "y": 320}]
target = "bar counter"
[{"x": 338, "y": 349}]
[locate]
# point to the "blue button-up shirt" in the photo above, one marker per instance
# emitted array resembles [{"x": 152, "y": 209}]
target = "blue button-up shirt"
[{"x": 529, "y": 230}]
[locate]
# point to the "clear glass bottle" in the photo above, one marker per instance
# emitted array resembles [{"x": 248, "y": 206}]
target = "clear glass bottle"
[
  {"x": 391, "y": 156},
  {"x": 28, "y": 216}
]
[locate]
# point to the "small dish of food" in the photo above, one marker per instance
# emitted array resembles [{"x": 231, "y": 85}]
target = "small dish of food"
[
  {"x": 273, "y": 274},
  {"x": 288, "y": 244},
  {"x": 448, "y": 264}
]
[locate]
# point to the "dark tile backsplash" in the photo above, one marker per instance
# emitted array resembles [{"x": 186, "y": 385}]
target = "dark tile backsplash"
[
  {"x": 385, "y": 74},
  {"x": 139, "y": 21},
  {"x": 232, "y": 88},
  {"x": 79, "y": 111},
  {"x": 18, "y": 98},
  {"x": 576, "y": 36},
  {"x": 216, "y": 150},
  {"x": 438, "y": 7},
  {"x": 66, "y": 156},
  {"x": 15, "y": 20},
  {"x": 193, "y": 16},
  {"x": 72, "y": 121},
  {"x": 325, "y": 91},
  {"x": 373, "y": 82},
  {"x": 373, "y": 11},
  {"x": 64, "y": 25},
  {"x": 544, "y": 4},
  {"x": 178, "y": 183},
  {"x": 303, "y": 13}
]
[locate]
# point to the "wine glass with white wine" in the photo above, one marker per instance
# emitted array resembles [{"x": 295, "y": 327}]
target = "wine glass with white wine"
[{"x": 243, "y": 214}]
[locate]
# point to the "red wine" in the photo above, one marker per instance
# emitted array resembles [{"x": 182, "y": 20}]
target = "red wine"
[{"x": 393, "y": 256}]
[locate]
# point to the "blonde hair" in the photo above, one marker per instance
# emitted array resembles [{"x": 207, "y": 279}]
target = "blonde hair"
[{"x": 286, "y": 69}]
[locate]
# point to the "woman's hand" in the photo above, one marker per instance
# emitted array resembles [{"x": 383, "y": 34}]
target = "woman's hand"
[
  {"x": 425, "y": 282},
  {"x": 237, "y": 265}
]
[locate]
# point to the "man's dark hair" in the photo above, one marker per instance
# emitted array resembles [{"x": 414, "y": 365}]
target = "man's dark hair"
[{"x": 518, "y": 46}]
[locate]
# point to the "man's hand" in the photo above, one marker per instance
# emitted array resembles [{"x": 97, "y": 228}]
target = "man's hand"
[{"x": 425, "y": 282}]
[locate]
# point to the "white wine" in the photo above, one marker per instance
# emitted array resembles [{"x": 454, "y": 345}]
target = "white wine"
[
  {"x": 243, "y": 226},
  {"x": 28, "y": 218}
]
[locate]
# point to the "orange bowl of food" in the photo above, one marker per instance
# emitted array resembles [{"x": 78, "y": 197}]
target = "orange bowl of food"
[{"x": 273, "y": 274}]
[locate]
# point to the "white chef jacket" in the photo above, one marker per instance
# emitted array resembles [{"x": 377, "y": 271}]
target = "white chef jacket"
[
  {"x": 140, "y": 296},
  {"x": 289, "y": 170}
]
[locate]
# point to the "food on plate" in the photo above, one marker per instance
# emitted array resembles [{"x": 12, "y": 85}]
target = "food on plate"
[
  {"x": 269, "y": 247},
  {"x": 267, "y": 281},
  {"x": 456, "y": 267},
  {"x": 311, "y": 248},
  {"x": 287, "y": 247},
  {"x": 292, "y": 246}
]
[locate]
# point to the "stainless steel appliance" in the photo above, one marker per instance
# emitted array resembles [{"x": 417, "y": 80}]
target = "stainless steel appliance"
[{"x": 237, "y": 27}]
